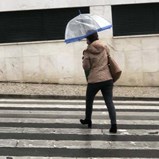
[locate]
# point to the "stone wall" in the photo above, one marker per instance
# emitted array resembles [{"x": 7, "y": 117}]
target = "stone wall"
[{"x": 57, "y": 62}]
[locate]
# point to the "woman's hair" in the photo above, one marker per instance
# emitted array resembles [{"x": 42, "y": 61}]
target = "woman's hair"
[{"x": 93, "y": 37}]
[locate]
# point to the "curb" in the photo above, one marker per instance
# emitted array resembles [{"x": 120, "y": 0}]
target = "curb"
[{"x": 72, "y": 97}]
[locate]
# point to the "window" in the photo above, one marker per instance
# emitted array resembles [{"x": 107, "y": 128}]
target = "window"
[
  {"x": 36, "y": 25},
  {"x": 135, "y": 19}
]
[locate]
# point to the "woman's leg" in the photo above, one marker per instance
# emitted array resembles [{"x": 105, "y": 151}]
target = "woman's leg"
[
  {"x": 107, "y": 92},
  {"x": 91, "y": 91}
]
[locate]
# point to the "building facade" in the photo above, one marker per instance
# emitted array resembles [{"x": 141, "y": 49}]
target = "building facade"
[{"x": 32, "y": 47}]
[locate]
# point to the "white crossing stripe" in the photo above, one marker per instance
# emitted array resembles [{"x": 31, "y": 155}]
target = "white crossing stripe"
[
  {"x": 47, "y": 101},
  {"x": 127, "y": 107},
  {"x": 71, "y": 121},
  {"x": 78, "y": 144},
  {"x": 80, "y": 113},
  {"x": 77, "y": 131},
  {"x": 28, "y": 157}
]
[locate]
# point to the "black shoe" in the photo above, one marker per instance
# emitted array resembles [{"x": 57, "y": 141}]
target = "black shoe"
[
  {"x": 113, "y": 128},
  {"x": 85, "y": 121}
]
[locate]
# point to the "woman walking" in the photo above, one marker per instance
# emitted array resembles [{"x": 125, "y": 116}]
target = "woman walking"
[{"x": 95, "y": 65}]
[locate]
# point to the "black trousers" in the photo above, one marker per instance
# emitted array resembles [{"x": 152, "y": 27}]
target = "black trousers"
[{"x": 106, "y": 89}]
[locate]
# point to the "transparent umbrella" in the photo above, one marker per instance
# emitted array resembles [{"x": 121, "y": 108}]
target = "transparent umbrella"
[{"x": 83, "y": 25}]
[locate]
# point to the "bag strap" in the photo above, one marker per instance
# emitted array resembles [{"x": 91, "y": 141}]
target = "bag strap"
[{"x": 108, "y": 54}]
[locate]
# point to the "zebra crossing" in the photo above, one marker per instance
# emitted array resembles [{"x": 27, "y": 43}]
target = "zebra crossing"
[{"x": 50, "y": 129}]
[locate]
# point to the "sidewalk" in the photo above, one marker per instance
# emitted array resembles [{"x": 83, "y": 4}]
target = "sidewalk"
[{"x": 50, "y": 91}]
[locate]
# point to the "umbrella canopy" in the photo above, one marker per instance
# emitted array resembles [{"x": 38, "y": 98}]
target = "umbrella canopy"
[{"x": 83, "y": 25}]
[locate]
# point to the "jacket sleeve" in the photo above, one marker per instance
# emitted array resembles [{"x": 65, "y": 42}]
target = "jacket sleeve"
[{"x": 86, "y": 61}]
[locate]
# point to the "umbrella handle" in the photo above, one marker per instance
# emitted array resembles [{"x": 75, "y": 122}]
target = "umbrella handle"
[{"x": 79, "y": 11}]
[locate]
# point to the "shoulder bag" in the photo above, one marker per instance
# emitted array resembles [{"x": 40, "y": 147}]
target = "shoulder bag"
[{"x": 114, "y": 68}]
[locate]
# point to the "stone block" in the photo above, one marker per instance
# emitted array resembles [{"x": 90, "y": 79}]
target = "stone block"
[{"x": 14, "y": 69}]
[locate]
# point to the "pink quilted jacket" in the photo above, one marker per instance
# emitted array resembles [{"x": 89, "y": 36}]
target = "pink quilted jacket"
[{"x": 95, "y": 61}]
